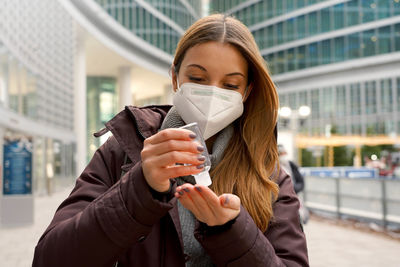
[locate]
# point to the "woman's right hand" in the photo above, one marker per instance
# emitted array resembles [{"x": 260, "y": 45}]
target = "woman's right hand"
[{"x": 161, "y": 153}]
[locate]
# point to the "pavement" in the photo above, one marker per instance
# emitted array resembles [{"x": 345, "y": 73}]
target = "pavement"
[{"x": 330, "y": 244}]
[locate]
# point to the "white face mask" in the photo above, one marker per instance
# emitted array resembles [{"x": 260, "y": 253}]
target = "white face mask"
[{"x": 211, "y": 107}]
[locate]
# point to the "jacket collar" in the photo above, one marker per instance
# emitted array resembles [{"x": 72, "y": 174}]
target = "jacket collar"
[{"x": 134, "y": 124}]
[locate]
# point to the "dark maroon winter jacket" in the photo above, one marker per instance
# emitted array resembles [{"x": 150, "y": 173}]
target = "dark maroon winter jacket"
[{"x": 108, "y": 219}]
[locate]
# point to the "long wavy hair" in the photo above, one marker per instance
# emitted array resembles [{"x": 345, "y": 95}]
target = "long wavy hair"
[{"x": 250, "y": 163}]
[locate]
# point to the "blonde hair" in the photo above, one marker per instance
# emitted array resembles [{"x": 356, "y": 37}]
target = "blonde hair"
[{"x": 249, "y": 166}]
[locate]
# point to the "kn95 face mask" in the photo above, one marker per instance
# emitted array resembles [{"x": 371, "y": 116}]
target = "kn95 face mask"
[{"x": 213, "y": 108}]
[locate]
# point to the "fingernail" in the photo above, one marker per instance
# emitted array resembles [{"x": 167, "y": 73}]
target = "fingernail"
[
  {"x": 192, "y": 135},
  {"x": 226, "y": 200},
  {"x": 201, "y": 166},
  {"x": 197, "y": 188},
  {"x": 201, "y": 158},
  {"x": 200, "y": 148},
  {"x": 180, "y": 193}
]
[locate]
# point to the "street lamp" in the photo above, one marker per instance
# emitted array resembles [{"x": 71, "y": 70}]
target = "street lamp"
[{"x": 287, "y": 138}]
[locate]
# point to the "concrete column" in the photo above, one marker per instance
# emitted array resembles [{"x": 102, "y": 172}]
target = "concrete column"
[
  {"x": 124, "y": 87},
  {"x": 168, "y": 94},
  {"x": 80, "y": 116}
]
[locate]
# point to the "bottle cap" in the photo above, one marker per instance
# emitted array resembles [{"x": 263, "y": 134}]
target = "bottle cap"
[{"x": 203, "y": 178}]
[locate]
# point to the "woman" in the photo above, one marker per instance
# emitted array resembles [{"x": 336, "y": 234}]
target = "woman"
[{"x": 154, "y": 214}]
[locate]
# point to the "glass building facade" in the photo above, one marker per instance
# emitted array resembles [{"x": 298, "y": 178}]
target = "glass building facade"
[
  {"x": 101, "y": 107},
  {"x": 337, "y": 57},
  {"x": 158, "y": 22},
  {"x": 36, "y": 87}
]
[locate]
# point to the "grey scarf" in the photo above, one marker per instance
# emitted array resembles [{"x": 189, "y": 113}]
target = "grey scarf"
[{"x": 191, "y": 247}]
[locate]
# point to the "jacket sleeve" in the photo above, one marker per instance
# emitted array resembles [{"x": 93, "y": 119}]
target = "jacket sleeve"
[
  {"x": 100, "y": 220},
  {"x": 243, "y": 244}
]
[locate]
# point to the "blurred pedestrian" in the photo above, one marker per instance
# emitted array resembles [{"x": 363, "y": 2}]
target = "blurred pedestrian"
[
  {"x": 154, "y": 214},
  {"x": 297, "y": 179},
  {"x": 291, "y": 168}
]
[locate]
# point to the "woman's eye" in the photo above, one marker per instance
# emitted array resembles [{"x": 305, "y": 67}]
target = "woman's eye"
[
  {"x": 196, "y": 79},
  {"x": 231, "y": 86}
]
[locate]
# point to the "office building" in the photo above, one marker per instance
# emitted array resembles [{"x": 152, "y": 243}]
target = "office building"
[
  {"x": 37, "y": 44},
  {"x": 339, "y": 57},
  {"x": 126, "y": 48}
]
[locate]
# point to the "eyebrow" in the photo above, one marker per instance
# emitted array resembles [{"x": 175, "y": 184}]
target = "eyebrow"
[{"x": 204, "y": 69}]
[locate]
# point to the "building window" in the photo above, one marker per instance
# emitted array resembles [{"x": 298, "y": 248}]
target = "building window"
[
  {"x": 312, "y": 23},
  {"x": 283, "y": 100},
  {"x": 327, "y": 102},
  {"x": 290, "y": 33},
  {"x": 280, "y": 62},
  {"x": 354, "y": 46},
  {"x": 369, "y": 43},
  {"x": 313, "y": 56},
  {"x": 339, "y": 49},
  {"x": 355, "y": 97},
  {"x": 368, "y": 10},
  {"x": 386, "y": 95},
  {"x": 301, "y": 27},
  {"x": 270, "y": 36},
  {"x": 353, "y": 15},
  {"x": 301, "y": 57},
  {"x": 300, "y": 3},
  {"x": 370, "y": 97},
  {"x": 325, "y": 20},
  {"x": 315, "y": 111},
  {"x": 338, "y": 16},
  {"x": 279, "y": 33},
  {"x": 278, "y": 7},
  {"x": 341, "y": 102},
  {"x": 398, "y": 96},
  {"x": 291, "y": 60},
  {"x": 396, "y": 10},
  {"x": 383, "y": 7},
  {"x": 292, "y": 101},
  {"x": 326, "y": 51},
  {"x": 384, "y": 40},
  {"x": 397, "y": 36}
]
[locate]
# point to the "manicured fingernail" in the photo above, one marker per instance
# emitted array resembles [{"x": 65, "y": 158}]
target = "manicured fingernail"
[
  {"x": 192, "y": 135},
  {"x": 201, "y": 166},
  {"x": 200, "y": 148},
  {"x": 226, "y": 200},
  {"x": 197, "y": 188},
  {"x": 180, "y": 193},
  {"x": 201, "y": 158},
  {"x": 186, "y": 189}
]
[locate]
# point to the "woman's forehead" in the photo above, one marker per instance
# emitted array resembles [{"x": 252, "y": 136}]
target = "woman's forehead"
[{"x": 215, "y": 56}]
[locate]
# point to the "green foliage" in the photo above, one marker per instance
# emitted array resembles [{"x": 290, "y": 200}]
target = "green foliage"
[
  {"x": 307, "y": 159},
  {"x": 367, "y": 151},
  {"x": 343, "y": 156}
]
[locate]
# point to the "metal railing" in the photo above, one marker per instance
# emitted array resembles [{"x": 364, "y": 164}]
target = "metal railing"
[{"x": 370, "y": 199}]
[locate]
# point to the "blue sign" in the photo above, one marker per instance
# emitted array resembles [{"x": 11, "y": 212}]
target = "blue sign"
[
  {"x": 361, "y": 173},
  {"x": 17, "y": 167},
  {"x": 336, "y": 172}
]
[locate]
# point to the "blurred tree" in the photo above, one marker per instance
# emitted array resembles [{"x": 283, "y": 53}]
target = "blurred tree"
[
  {"x": 342, "y": 156},
  {"x": 307, "y": 159},
  {"x": 367, "y": 151}
]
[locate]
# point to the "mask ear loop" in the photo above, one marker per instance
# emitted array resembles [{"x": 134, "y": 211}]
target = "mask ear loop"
[{"x": 177, "y": 80}]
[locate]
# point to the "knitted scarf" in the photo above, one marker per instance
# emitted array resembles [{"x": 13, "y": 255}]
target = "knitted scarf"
[{"x": 191, "y": 247}]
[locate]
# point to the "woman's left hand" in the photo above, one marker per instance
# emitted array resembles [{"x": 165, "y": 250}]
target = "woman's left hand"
[{"x": 206, "y": 206}]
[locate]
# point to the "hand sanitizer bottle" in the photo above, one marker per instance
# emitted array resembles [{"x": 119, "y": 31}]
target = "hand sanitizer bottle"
[{"x": 202, "y": 178}]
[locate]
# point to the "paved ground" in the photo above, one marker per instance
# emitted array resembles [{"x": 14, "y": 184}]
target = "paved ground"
[{"x": 329, "y": 245}]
